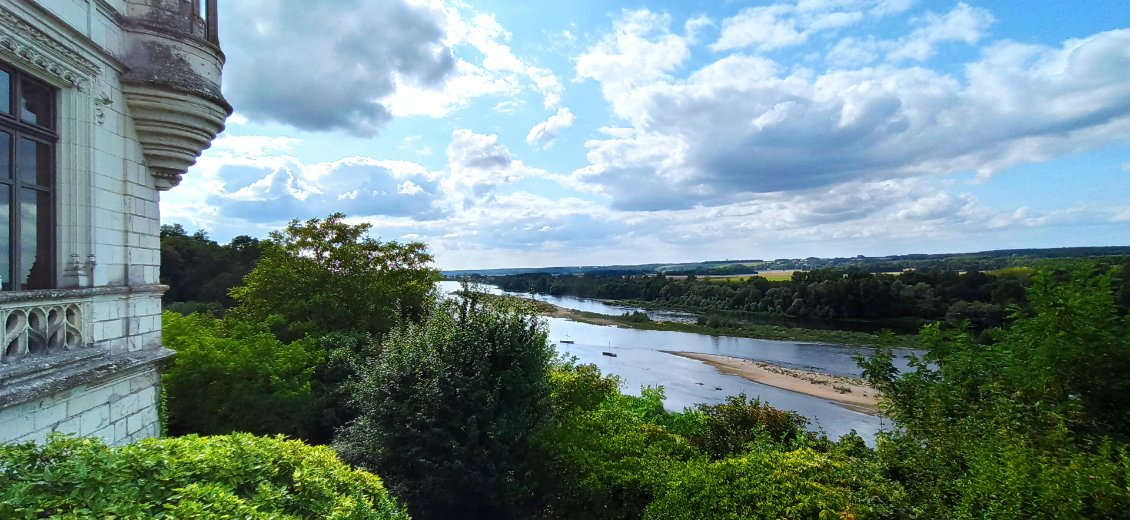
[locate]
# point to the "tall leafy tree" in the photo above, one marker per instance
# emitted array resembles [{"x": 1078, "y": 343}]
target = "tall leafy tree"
[
  {"x": 199, "y": 270},
  {"x": 448, "y": 409},
  {"x": 325, "y": 275}
]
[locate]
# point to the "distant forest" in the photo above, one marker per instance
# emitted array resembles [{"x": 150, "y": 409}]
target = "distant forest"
[
  {"x": 981, "y": 300},
  {"x": 980, "y": 261},
  {"x": 199, "y": 271},
  {"x": 977, "y": 288}
]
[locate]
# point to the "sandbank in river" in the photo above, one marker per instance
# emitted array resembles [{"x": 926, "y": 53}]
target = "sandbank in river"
[{"x": 852, "y": 393}]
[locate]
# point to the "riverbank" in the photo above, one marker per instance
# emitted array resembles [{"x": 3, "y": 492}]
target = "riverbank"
[
  {"x": 849, "y": 392},
  {"x": 774, "y": 332}
]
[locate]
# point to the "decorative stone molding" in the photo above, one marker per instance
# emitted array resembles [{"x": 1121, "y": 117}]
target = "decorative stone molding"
[
  {"x": 33, "y": 380},
  {"x": 42, "y": 330},
  {"x": 173, "y": 128},
  {"x": 101, "y": 101},
  {"x": 26, "y": 45},
  {"x": 7, "y": 299}
]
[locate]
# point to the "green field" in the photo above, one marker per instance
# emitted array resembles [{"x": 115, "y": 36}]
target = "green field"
[{"x": 783, "y": 275}]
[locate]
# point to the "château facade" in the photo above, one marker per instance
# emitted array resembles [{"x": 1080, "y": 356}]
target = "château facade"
[{"x": 103, "y": 104}]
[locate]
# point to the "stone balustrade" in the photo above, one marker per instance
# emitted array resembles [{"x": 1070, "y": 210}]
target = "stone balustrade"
[{"x": 38, "y": 329}]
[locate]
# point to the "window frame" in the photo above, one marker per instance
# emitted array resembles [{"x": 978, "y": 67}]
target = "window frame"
[{"x": 45, "y": 131}]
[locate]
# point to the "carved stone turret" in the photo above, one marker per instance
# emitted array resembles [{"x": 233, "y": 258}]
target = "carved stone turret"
[{"x": 173, "y": 83}]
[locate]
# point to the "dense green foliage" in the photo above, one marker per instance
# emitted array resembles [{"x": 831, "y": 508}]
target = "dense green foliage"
[
  {"x": 326, "y": 275},
  {"x": 1020, "y": 409},
  {"x": 237, "y": 476},
  {"x": 611, "y": 456},
  {"x": 794, "y": 483},
  {"x": 232, "y": 375},
  {"x": 1034, "y": 425},
  {"x": 447, "y": 409},
  {"x": 913, "y": 296},
  {"x": 199, "y": 271},
  {"x": 730, "y": 426}
]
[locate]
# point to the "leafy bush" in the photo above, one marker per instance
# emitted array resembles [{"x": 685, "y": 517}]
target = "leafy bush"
[
  {"x": 730, "y": 426},
  {"x": 579, "y": 387},
  {"x": 773, "y": 484},
  {"x": 606, "y": 463},
  {"x": 1008, "y": 479},
  {"x": 1033, "y": 425},
  {"x": 237, "y": 476},
  {"x": 447, "y": 410},
  {"x": 231, "y": 375}
]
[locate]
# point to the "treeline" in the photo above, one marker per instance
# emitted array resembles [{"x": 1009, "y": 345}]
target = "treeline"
[
  {"x": 199, "y": 271},
  {"x": 980, "y": 261},
  {"x": 978, "y": 298}
]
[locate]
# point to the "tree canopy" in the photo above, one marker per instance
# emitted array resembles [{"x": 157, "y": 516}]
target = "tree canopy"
[
  {"x": 448, "y": 409},
  {"x": 326, "y": 275}
]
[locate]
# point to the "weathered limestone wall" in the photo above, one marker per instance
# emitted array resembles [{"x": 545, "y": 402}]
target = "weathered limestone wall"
[
  {"x": 119, "y": 410},
  {"x": 122, "y": 138}
]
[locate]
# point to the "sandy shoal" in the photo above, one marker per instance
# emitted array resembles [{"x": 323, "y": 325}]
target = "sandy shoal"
[
  {"x": 569, "y": 314},
  {"x": 849, "y": 392}
]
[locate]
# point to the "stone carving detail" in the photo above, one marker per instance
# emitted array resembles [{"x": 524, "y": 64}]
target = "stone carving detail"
[
  {"x": 20, "y": 41},
  {"x": 40, "y": 331},
  {"x": 101, "y": 101}
]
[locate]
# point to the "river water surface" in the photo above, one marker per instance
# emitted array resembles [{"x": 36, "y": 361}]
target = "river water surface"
[{"x": 640, "y": 361}]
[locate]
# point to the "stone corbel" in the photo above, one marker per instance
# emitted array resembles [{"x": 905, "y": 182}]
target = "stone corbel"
[{"x": 80, "y": 274}]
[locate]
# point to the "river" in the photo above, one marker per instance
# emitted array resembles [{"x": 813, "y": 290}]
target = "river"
[{"x": 640, "y": 361}]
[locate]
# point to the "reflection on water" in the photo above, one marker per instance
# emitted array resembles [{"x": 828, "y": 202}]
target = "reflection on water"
[{"x": 640, "y": 361}]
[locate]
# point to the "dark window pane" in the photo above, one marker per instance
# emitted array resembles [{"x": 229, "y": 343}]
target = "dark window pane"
[
  {"x": 35, "y": 104},
  {"x": 5, "y": 155},
  {"x": 35, "y": 239},
  {"x": 34, "y": 162},
  {"x": 5, "y": 237},
  {"x": 5, "y": 92}
]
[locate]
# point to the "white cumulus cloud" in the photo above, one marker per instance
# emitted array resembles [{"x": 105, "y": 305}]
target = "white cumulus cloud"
[{"x": 543, "y": 133}]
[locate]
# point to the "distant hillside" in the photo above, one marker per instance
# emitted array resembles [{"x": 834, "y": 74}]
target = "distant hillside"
[{"x": 982, "y": 260}]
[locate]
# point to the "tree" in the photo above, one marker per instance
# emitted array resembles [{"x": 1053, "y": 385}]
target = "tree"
[
  {"x": 448, "y": 409},
  {"x": 199, "y": 271},
  {"x": 1033, "y": 425},
  {"x": 327, "y": 275},
  {"x": 230, "y": 375}
]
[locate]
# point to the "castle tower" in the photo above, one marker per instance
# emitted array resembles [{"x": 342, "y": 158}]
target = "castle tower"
[{"x": 103, "y": 104}]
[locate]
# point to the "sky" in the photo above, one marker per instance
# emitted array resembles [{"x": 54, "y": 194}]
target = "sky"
[{"x": 584, "y": 132}]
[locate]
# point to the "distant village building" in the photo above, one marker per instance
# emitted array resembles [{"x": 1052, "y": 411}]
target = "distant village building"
[{"x": 103, "y": 103}]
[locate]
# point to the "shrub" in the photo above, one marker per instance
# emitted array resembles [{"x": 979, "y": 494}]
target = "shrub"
[
  {"x": 730, "y": 426},
  {"x": 773, "y": 484},
  {"x": 603, "y": 459},
  {"x": 232, "y": 375},
  {"x": 447, "y": 410},
  {"x": 236, "y": 476}
]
